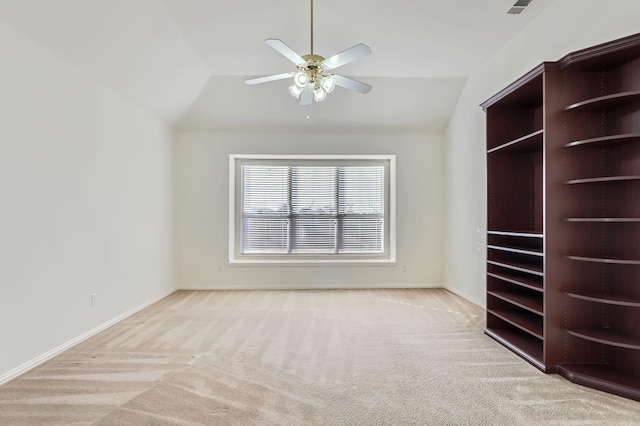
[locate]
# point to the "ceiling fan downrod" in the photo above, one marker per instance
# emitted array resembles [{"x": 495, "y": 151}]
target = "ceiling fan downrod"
[{"x": 312, "y": 27}]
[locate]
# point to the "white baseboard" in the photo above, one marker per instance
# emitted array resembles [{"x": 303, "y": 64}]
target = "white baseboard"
[
  {"x": 12, "y": 374},
  {"x": 473, "y": 300},
  {"x": 306, "y": 287}
]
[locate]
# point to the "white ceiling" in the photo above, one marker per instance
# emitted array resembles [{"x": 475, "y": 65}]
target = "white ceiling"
[{"x": 185, "y": 60}]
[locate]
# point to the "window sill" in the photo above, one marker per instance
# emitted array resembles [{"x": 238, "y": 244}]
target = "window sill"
[{"x": 308, "y": 262}]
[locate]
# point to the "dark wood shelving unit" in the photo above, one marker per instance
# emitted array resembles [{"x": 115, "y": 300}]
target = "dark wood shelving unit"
[
  {"x": 563, "y": 218},
  {"x": 601, "y": 174},
  {"x": 515, "y": 238}
]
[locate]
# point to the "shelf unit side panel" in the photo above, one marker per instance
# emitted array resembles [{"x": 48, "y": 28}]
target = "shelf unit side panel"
[{"x": 556, "y": 161}]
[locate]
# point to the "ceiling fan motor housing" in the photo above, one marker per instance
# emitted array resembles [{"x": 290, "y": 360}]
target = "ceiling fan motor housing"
[{"x": 313, "y": 66}]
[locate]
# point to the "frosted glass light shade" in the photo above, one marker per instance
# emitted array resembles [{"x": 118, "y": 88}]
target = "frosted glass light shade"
[
  {"x": 301, "y": 79},
  {"x": 328, "y": 84},
  {"x": 295, "y": 90},
  {"x": 319, "y": 94}
]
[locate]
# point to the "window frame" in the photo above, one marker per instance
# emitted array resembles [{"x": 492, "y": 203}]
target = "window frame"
[{"x": 235, "y": 214}]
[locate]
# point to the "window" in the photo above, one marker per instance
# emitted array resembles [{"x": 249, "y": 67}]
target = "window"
[{"x": 292, "y": 209}]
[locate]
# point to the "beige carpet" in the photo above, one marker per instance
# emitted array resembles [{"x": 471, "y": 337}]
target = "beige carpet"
[{"x": 314, "y": 357}]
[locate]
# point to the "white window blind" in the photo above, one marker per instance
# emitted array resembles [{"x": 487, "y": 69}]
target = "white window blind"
[{"x": 311, "y": 208}]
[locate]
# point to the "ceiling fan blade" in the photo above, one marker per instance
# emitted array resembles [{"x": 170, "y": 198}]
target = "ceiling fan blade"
[
  {"x": 268, "y": 78},
  {"x": 351, "y": 54},
  {"x": 351, "y": 84},
  {"x": 285, "y": 50},
  {"x": 306, "y": 97}
]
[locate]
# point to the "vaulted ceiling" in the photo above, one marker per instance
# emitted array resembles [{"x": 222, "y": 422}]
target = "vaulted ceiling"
[{"x": 185, "y": 60}]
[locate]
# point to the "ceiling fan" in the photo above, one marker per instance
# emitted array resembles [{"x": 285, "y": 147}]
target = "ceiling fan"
[{"x": 314, "y": 78}]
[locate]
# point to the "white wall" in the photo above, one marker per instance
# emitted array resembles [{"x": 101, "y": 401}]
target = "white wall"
[
  {"x": 85, "y": 204},
  {"x": 564, "y": 27},
  {"x": 202, "y": 188}
]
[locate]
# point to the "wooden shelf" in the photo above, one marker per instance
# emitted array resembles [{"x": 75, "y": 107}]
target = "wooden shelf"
[
  {"x": 517, "y": 234},
  {"x": 517, "y": 280},
  {"x": 605, "y": 141},
  {"x": 606, "y": 102},
  {"x": 520, "y": 321},
  {"x": 603, "y": 377},
  {"x": 515, "y": 250},
  {"x": 604, "y": 219},
  {"x": 523, "y": 345},
  {"x": 527, "y": 268},
  {"x": 607, "y": 179},
  {"x": 517, "y": 244},
  {"x": 605, "y": 260},
  {"x": 530, "y": 142},
  {"x": 609, "y": 298},
  {"x": 608, "y": 337},
  {"x": 519, "y": 300}
]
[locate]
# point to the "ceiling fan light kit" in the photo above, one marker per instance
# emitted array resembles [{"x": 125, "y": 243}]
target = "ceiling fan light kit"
[
  {"x": 312, "y": 73},
  {"x": 313, "y": 80}
]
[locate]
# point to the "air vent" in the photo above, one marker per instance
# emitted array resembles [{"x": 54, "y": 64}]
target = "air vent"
[{"x": 519, "y": 7}]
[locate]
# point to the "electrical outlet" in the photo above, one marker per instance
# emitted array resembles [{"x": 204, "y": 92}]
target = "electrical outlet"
[{"x": 94, "y": 299}]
